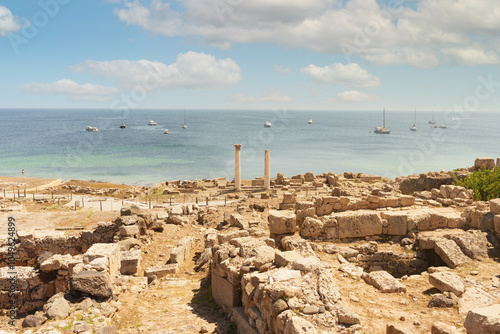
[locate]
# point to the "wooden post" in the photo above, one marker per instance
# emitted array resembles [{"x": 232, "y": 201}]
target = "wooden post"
[
  {"x": 150, "y": 202},
  {"x": 100, "y": 204},
  {"x": 207, "y": 200},
  {"x": 18, "y": 194},
  {"x": 24, "y": 191},
  {"x": 196, "y": 199}
]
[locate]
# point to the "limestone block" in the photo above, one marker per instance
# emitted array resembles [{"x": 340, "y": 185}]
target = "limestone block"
[
  {"x": 392, "y": 202},
  {"x": 406, "y": 200},
  {"x": 182, "y": 251},
  {"x": 298, "y": 325},
  {"x": 226, "y": 237},
  {"x": 483, "y": 320},
  {"x": 442, "y": 328},
  {"x": 397, "y": 222},
  {"x": 450, "y": 253},
  {"x": 130, "y": 261},
  {"x": 282, "y": 259},
  {"x": 94, "y": 283},
  {"x": 311, "y": 228},
  {"x": 109, "y": 251},
  {"x": 161, "y": 271},
  {"x": 128, "y": 231},
  {"x": 496, "y": 221},
  {"x": 303, "y": 214},
  {"x": 358, "y": 224},
  {"x": 384, "y": 281},
  {"x": 397, "y": 329},
  {"x": 241, "y": 320},
  {"x": 447, "y": 281},
  {"x": 471, "y": 245},
  {"x": 264, "y": 255},
  {"x": 481, "y": 163},
  {"x": 224, "y": 293},
  {"x": 281, "y": 222},
  {"x": 474, "y": 298},
  {"x": 495, "y": 206},
  {"x": 306, "y": 264},
  {"x": 289, "y": 198}
]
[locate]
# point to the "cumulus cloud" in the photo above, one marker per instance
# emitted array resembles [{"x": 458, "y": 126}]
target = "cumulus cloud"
[
  {"x": 350, "y": 75},
  {"x": 352, "y": 96},
  {"x": 281, "y": 69},
  {"x": 269, "y": 96},
  {"x": 8, "y": 23},
  {"x": 78, "y": 92},
  {"x": 471, "y": 56},
  {"x": 420, "y": 35},
  {"x": 191, "y": 70}
]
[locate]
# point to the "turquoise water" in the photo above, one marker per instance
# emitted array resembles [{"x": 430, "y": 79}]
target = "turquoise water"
[{"x": 54, "y": 143}]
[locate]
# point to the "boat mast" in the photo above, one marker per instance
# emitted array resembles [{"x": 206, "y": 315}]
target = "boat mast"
[{"x": 384, "y": 118}]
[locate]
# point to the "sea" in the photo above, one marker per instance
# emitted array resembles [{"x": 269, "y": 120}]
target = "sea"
[{"x": 53, "y": 143}]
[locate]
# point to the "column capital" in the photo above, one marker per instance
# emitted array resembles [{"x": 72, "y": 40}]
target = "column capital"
[{"x": 237, "y": 146}]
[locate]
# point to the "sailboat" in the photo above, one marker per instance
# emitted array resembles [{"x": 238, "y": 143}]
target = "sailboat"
[
  {"x": 414, "y": 127},
  {"x": 122, "y": 126},
  {"x": 184, "y": 126},
  {"x": 432, "y": 121},
  {"x": 381, "y": 129}
]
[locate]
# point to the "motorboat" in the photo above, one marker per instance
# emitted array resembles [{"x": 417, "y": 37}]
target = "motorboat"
[
  {"x": 166, "y": 132},
  {"x": 152, "y": 123},
  {"x": 267, "y": 124},
  {"x": 91, "y": 128},
  {"x": 310, "y": 121}
]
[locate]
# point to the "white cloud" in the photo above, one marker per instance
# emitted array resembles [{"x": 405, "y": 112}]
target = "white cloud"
[
  {"x": 350, "y": 75},
  {"x": 78, "y": 92},
  {"x": 8, "y": 23},
  {"x": 269, "y": 96},
  {"x": 281, "y": 69},
  {"x": 191, "y": 70},
  {"x": 471, "y": 56},
  {"x": 420, "y": 35},
  {"x": 352, "y": 96}
]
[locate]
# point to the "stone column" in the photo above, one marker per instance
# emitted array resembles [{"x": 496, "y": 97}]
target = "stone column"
[
  {"x": 498, "y": 162},
  {"x": 237, "y": 167},
  {"x": 267, "y": 170}
]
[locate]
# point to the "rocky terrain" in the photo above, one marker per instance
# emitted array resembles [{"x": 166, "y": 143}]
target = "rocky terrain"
[{"x": 328, "y": 253}]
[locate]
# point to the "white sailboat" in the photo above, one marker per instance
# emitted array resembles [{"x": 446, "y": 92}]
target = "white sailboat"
[
  {"x": 432, "y": 121},
  {"x": 381, "y": 129},
  {"x": 122, "y": 125},
  {"x": 414, "y": 127},
  {"x": 184, "y": 126},
  {"x": 267, "y": 124}
]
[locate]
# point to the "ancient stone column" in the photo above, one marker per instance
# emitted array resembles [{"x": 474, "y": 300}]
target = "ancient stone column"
[
  {"x": 267, "y": 170},
  {"x": 237, "y": 167}
]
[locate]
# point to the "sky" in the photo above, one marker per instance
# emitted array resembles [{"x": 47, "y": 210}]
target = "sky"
[{"x": 251, "y": 54}]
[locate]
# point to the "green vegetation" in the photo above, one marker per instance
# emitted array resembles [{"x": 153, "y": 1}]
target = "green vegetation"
[{"x": 485, "y": 183}]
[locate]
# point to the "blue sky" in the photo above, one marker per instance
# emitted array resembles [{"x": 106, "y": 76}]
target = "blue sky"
[{"x": 260, "y": 54}]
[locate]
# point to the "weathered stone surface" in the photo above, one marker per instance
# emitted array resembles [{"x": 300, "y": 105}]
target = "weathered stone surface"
[
  {"x": 306, "y": 264},
  {"x": 397, "y": 329},
  {"x": 130, "y": 261},
  {"x": 111, "y": 329},
  {"x": 439, "y": 300},
  {"x": 347, "y": 316},
  {"x": 384, "y": 281},
  {"x": 442, "y": 328},
  {"x": 472, "y": 246},
  {"x": 495, "y": 206},
  {"x": 94, "y": 283},
  {"x": 182, "y": 251},
  {"x": 57, "y": 308},
  {"x": 128, "y": 231},
  {"x": 484, "y": 320},
  {"x": 282, "y": 259},
  {"x": 327, "y": 287},
  {"x": 298, "y": 325},
  {"x": 450, "y": 253},
  {"x": 241, "y": 320},
  {"x": 161, "y": 271},
  {"x": 56, "y": 262},
  {"x": 265, "y": 255},
  {"x": 228, "y": 236},
  {"x": 109, "y": 251},
  {"x": 352, "y": 270},
  {"x": 33, "y": 321},
  {"x": 281, "y": 222},
  {"x": 311, "y": 228},
  {"x": 447, "y": 281},
  {"x": 474, "y": 298},
  {"x": 396, "y": 222},
  {"x": 223, "y": 292},
  {"x": 355, "y": 224},
  {"x": 481, "y": 163}
]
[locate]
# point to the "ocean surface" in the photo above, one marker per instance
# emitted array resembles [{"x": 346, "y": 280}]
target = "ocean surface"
[{"x": 54, "y": 143}]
